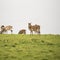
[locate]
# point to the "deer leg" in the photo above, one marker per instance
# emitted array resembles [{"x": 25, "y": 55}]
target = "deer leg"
[
  {"x": 25, "y": 32},
  {"x": 0, "y": 32},
  {"x": 38, "y": 32},
  {"x": 31, "y": 32},
  {"x": 11, "y": 31}
]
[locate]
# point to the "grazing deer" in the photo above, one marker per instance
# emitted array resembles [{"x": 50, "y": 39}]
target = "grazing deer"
[
  {"x": 23, "y": 31},
  {"x": 35, "y": 28},
  {"x": 6, "y": 28}
]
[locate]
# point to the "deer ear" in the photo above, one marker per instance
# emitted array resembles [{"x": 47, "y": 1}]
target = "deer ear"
[{"x": 30, "y": 22}]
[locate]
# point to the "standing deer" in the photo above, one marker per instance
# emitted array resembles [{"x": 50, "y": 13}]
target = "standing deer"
[
  {"x": 6, "y": 28},
  {"x": 23, "y": 31},
  {"x": 35, "y": 28}
]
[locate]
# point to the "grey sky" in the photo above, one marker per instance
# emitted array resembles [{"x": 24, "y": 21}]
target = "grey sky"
[{"x": 19, "y": 13}]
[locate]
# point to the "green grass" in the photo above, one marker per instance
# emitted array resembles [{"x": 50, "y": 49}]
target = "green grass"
[{"x": 29, "y": 47}]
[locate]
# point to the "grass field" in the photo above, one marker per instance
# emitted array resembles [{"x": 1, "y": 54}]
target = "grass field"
[{"x": 29, "y": 47}]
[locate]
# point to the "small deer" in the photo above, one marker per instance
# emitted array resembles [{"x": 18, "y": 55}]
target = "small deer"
[
  {"x": 6, "y": 28},
  {"x": 23, "y": 31},
  {"x": 35, "y": 28}
]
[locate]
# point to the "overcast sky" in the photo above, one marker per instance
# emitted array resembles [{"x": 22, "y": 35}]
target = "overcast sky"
[{"x": 19, "y": 13}]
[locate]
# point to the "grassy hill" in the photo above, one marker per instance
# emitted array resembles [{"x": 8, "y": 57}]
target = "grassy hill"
[{"x": 29, "y": 47}]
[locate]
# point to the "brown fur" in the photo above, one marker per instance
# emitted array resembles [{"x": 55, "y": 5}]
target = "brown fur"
[
  {"x": 23, "y": 31},
  {"x": 6, "y": 28},
  {"x": 35, "y": 28}
]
